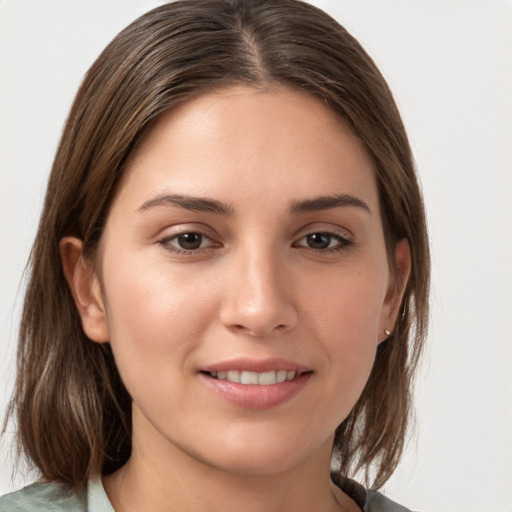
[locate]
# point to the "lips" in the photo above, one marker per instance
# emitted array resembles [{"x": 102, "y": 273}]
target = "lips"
[{"x": 256, "y": 384}]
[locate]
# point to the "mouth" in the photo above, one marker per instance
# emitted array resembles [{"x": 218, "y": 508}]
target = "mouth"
[
  {"x": 249, "y": 378},
  {"x": 256, "y": 383}
]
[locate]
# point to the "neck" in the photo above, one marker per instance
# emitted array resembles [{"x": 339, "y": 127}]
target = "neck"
[
  {"x": 181, "y": 482},
  {"x": 164, "y": 476}
]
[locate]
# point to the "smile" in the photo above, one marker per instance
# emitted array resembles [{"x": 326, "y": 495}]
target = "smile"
[
  {"x": 250, "y": 389},
  {"x": 254, "y": 378}
]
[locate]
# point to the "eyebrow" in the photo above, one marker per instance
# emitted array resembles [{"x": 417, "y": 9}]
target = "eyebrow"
[
  {"x": 328, "y": 202},
  {"x": 203, "y": 204},
  {"x": 200, "y": 204}
]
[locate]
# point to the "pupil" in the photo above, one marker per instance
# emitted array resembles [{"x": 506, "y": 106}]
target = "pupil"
[
  {"x": 190, "y": 241},
  {"x": 319, "y": 240}
]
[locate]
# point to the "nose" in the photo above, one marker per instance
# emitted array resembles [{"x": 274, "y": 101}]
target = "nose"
[{"x": 259, "y": 298}]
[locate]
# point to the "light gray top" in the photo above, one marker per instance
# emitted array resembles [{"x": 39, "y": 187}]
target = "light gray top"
[{"x": 52, "y": 497}]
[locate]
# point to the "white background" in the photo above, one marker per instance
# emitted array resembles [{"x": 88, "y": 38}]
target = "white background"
[{"x": 449, "y": 64}]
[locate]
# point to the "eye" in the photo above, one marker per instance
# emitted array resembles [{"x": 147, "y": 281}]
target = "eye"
[
  {"x": 187, "y": 242},
  {"x": 324, "y": 241}
]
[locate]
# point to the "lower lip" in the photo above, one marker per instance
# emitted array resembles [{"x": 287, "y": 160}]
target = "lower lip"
[{"x": 255, "y": 396}]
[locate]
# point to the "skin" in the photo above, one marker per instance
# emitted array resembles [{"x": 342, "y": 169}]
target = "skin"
[{"x": 259, "y": 285}]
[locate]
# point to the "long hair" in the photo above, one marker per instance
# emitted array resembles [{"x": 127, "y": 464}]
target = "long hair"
[{"x": 72, "y": 410}]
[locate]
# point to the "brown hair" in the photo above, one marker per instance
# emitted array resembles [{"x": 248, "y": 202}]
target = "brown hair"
[{"x": 73, "y": 412}]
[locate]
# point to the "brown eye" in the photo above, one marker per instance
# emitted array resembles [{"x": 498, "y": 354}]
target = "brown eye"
[
  {"x": 189, "y": 241},
  {"x": 319, "y": 240},
  {"x": 325, "y": 242}
]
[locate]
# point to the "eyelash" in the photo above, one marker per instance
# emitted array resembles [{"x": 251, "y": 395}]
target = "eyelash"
[
  {"x": 166, "y": 243},
  {"x": 344, "y": 243}
]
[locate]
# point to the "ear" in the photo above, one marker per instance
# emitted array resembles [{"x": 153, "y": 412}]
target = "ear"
[
  {"x": 85, "y": 288},
  {"x": 396, "y": 289}
]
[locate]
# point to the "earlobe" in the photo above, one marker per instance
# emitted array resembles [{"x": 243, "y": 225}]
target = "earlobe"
[
  {"x": 85, "y": 287},
  {"x": 397, "y": 286}
]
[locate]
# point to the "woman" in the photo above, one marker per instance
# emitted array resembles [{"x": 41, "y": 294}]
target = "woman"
[{"x": 229, "y": 284}]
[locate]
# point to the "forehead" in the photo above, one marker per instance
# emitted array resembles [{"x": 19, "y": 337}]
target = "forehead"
[{"x": 262, "y": 142}]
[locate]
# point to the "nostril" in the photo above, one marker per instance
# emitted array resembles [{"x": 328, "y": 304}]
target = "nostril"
[
  {"x": 258, "y": 331},
  {"x": 259, "y": 316}
]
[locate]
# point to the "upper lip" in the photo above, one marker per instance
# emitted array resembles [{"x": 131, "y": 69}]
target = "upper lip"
[{"x": 256, "y": 365}]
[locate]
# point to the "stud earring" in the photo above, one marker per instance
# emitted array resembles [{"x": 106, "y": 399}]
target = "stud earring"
[{"x": 388, "y": 333}]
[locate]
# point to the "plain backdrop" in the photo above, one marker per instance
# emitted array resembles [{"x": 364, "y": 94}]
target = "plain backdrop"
[{"x": 449, "y": 64}]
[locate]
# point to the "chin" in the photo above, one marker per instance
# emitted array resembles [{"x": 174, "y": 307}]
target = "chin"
[
  {"x": 260, "y": 456},
  {"x": 261, "y": 464}
]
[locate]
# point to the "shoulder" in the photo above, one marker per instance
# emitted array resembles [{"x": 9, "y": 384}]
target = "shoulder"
[
  {"x": 368, "y": 501},
  {"x": 44, "y": 497},
  {"x": 377, "y": 502}
]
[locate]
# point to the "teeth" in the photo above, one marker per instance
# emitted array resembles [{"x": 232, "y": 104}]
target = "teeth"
[
  {"x": 248, "y": 378},
  {"x": 233, "y": 376},
  {"x": 267, "y": 378},
  {"x": 253, "y": 378},
  {"x": 281, "y": 375}
]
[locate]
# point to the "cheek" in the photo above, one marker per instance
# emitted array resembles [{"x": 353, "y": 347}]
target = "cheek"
[
  {"x": 155, "y": 319},
  {"x": 345, "y": 314},
  {"x": 347, "y": 304}
]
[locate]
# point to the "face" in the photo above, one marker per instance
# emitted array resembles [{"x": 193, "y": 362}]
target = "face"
[{"x": 242, "y": 280}]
